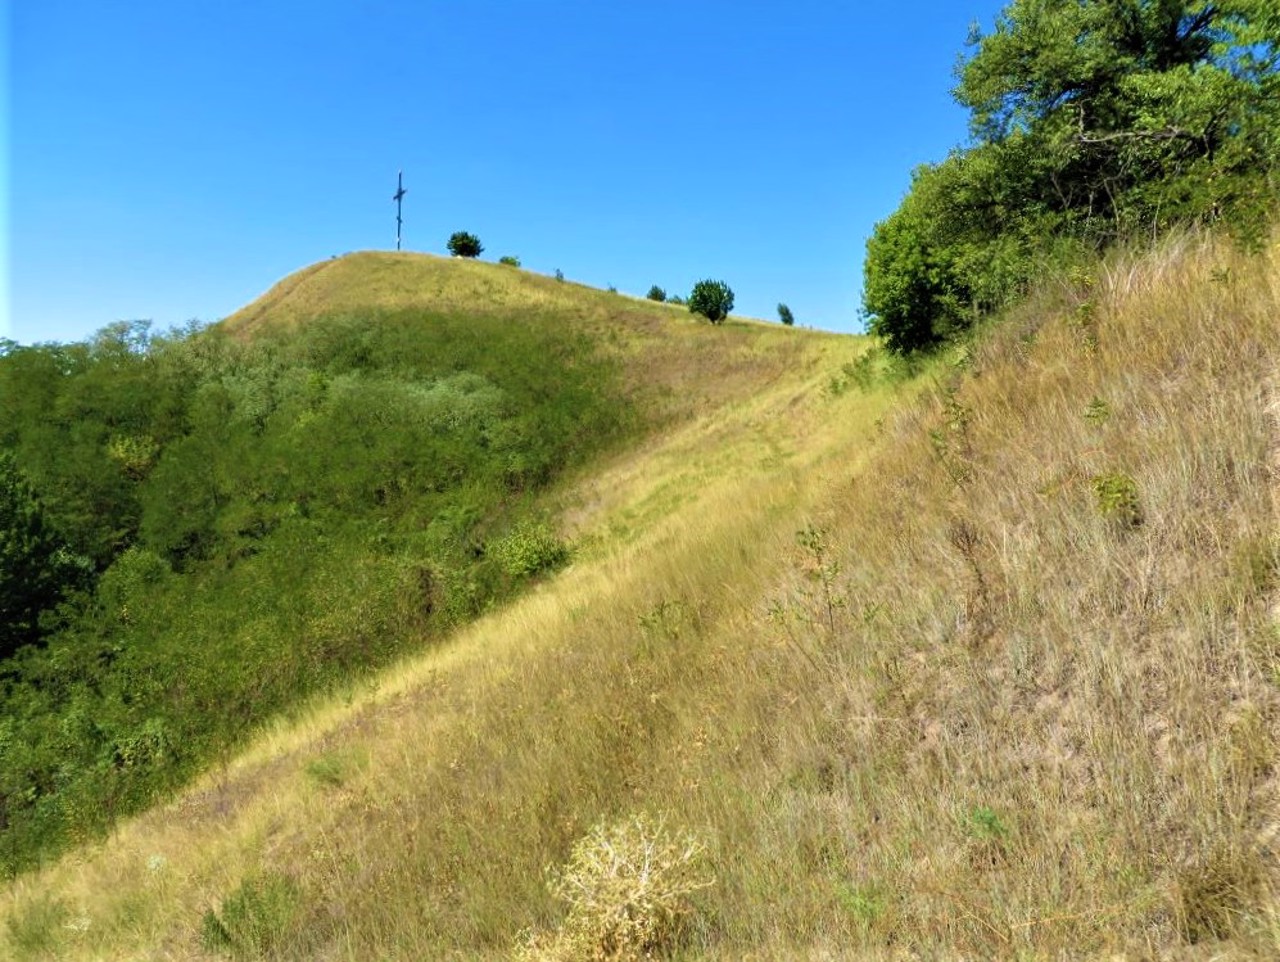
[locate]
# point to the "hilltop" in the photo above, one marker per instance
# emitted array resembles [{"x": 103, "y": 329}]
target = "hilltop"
[
  {"x": 383, "y": 280},
  {"x": 976, "y": 663},
  {"x": 664, "y": 350}
]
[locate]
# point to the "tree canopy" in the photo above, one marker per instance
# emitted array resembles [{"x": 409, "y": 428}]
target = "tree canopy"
[
  {"x": 462, "y": 244},
  {"x": 1089, "y": 120},
  {"x": 712, "y": 299},
  {"x": 35, "y": 567}
]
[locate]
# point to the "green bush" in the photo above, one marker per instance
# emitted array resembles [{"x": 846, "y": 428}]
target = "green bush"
[
  {"x": 462, "y": 244},
  {"x": 712, "y": 299},
  {"x": 656, "y": 293},
  {"x": 785, "y": 315},
  {"x": 509, "y": 260},
  {"x": 529, "y": 549},
  {"x": 1117, "y": 495}
]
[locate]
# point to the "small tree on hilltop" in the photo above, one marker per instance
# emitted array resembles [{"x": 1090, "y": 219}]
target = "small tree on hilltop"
[
  {"x": 656, "y": 293},
  {"x": 712, "y": 299},
  {"x": 462, "y": 244},
  {"x": 785, "y": 315}
]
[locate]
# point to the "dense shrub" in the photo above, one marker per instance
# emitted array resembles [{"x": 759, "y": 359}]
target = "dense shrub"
[
  {"x": 656, "y": 293},
  {"x": 785, "y": 315},
  {"x": 529, "y": 549},
  {"x": 462, "y": 244},
  {"x": 509, "y": 260},
  {"x": 712, "y": 299}
]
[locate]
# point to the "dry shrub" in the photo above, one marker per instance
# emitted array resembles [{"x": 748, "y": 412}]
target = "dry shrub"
[{"x": 628, "y": 888}]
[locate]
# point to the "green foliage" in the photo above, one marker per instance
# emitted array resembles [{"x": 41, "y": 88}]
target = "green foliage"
[
  {"x": 656, "y": 293},
  {"x": 677, "y": 300},
  {"x": 712, "y": 299},
  {"x": 255, "y": 920},
  {"x": 509, "y": 260},
  {"x": 864, "y": 903},
  {"x": 267, "y": 518},
  {"x": 462, "y": 244},
  {"x": 559, "y": 274},
  {"x": 984, "y": 824},
  {"x": 332, "y": 769},
  {"x": 1117, "y": 495},
  {"x": 1098, "y": 412},
  {"x": 1091, "y": 121},
  {"x": 36, "y": 569},
  {"x": 822, "y": 569},
  {"x": 785, "y": 315},
  {"x": 529, "y": 549}
]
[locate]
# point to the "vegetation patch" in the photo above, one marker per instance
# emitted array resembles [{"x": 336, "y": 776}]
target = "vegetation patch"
[
  {"x": 205, "y": 530},
  {"x": 257, "y": 919}
]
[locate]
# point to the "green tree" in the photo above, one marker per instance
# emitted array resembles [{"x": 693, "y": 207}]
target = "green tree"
[
  {"x": 656, "y": 293},
  {"x": 785, "y": 315},
  {"x": 1091, "y": 120},
  {"x": 712, "y": 299},
  {"x": 35, "y": 567},
  {"x": 462, "y": 244},
  {"x": 1142, "y": 110}
]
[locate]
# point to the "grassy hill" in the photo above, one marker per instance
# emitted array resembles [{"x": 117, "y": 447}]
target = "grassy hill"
[
  {"x": 238, "y": 517},
  {"x": 984, "y": 663}
]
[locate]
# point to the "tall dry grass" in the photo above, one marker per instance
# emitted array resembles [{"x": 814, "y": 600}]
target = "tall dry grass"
[{"x": 986, "y": 668}]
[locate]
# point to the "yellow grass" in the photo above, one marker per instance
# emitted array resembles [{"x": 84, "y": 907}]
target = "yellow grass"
[{"x": 972, "y": 715}]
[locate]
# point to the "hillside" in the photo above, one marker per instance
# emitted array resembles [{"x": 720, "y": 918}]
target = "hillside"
[
  {"x": 201, "y": 530},
  {"x": 664, "y": 349},
  {"x": 982, "y": 664}
]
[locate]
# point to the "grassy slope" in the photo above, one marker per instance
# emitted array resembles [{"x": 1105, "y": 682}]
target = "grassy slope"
[
  {"x": 975, "y": 717},
  {"x": 666, "y": 350}
]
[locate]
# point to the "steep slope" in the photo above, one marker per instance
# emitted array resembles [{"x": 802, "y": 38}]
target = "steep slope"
[{"x": 984, "y": 665}]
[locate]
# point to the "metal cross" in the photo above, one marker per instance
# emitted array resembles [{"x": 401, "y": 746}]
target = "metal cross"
[{"x": 398, "y": 196}]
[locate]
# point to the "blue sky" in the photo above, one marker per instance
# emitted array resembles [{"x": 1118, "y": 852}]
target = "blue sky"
[{"x": 172, "y": 160}]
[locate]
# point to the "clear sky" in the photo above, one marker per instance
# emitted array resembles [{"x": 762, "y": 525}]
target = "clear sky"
[{"x": 172, "y": 160}]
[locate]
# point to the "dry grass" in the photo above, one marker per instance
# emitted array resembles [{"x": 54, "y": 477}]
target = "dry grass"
[{"x": 968, "y": 714}]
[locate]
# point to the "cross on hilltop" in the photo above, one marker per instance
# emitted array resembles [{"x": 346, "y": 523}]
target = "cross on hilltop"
[{"x": 398, "y": 196}]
